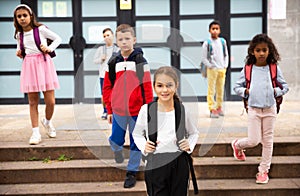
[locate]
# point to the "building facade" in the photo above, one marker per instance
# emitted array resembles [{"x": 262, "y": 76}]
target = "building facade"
[{"x": 171, "y": 32}]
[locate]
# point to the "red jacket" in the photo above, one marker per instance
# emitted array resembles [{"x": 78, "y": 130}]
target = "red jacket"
[{"x": 124, "y": 98}]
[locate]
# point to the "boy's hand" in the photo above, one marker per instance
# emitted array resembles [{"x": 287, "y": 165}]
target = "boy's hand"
[
  {"x": 109, "y": 118},
  {"x": 247, "y": 91},
  {"x": 150, "y": 147},
  {"x": 19, "y": 54},
  {"x": 45, "y": 49},
  {"x": 184, "y": 145}
]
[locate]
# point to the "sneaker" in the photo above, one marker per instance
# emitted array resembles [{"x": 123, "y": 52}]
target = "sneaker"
[
  {"x": 119, "y": 158},
  {"x": 262, "y": 178},
  {"x": 50, "y": 128},
  {"x": 130, "y": 180},
  {"x": 35, "y": 139},
  {"x": 214, "y": 114},
  {"x": 220, "y": 111},
  {"x": 104, "y": 116},
  {"x": 238, "y": 154}
]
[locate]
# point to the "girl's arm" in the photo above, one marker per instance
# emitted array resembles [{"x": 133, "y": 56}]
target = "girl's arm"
[
  {"x": 239, "y": 87},
  {"x": 192, "y": 133},
  {"x": 47, "y": 33},
  {"x": 281, "y": 80},
  {"x": 18, "y": 51},
  {"x": 139, "y": 133}
]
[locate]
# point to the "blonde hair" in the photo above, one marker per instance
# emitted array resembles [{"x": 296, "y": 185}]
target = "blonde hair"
[{"x": 123, "y": 28}]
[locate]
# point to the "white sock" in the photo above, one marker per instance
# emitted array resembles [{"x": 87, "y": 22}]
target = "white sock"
[
  {"x": 47, "y": 122},
  {"x": 36, "y": 130}
]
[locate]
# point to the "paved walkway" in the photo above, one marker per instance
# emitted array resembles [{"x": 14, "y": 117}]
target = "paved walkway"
[{"x": 82, "y": 122}]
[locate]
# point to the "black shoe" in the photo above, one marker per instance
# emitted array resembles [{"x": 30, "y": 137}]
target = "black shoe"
[
  {"x": 130, "y": 180},
  {"x": 119, "y": 158}
]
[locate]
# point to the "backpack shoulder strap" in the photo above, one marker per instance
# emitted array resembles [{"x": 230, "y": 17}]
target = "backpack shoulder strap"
[
  {"x": 209, "y": 47},
  {"x": 22, "y": 44},
  {"x": 152, "y": 121},
  {"x": 112, "y": 68},
  {"x": 37, "y": 39},
  {"x": 248, "y": 73},
  {"x": 139, "y": 66},
  {"x": 180, "y": 120},
  {"x": 273, "y": 72}
]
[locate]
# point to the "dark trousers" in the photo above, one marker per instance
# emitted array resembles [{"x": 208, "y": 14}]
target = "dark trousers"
[{"x": 170, "y": 178}]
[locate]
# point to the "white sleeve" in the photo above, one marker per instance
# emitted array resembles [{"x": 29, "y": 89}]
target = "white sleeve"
[
  {"x": 140, "y": 132},
  {"x": 18, "y": 41},
  {"x": 47, "y": 33},
  {"x": 192, "y": 132},
  {"x": 98, "y": 54}
]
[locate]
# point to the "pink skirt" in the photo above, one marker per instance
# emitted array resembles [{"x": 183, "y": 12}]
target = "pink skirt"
[{"x": 37, "y": 74}]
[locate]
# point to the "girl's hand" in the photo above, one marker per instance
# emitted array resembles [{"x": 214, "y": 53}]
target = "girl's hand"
[
  {"x": 184, "y": 145},
  {"x": 109, "y": 118},
  {"x": 150, "y": 147},
  {"x": 45, "y": 49},
  {"x": 19, "y": 54}
]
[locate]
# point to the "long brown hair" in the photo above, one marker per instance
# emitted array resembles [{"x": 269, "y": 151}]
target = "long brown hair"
[
  {"x": 169, "y": 71},
  {"x": 33, "y": 22}
]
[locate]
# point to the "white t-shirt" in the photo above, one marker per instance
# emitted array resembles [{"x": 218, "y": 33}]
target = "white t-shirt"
[
  {"x": 104, "y": 50},
  {"x": 166, "y": 134},
  {"x": 29, "y": 43}
]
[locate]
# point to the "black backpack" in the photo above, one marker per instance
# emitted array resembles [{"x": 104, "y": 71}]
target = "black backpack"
[
  {"x": 139, "y": 65},
  {"x": 180, "y": 131}
]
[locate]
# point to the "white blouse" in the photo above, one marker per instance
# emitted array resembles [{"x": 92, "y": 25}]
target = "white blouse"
[
  {"x": 166, "y": 135},
  {"x": 29, "y": 43}
]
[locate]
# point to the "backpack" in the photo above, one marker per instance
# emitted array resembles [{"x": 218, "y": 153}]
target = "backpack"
[
  {"x": 139, "y": 66},
  {"x": 203, "y": 68},
  {"x": 275, "y": 83},
  {"x": 180, "y": 131},
  {"x": 37, "y": 40}
]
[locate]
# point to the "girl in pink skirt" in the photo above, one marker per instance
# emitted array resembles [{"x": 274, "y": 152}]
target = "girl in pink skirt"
[{"x": 38, "y": 71}]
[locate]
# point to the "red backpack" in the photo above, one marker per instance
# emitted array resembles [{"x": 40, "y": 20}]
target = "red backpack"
[
  {"x": 37, "y": 40},
  {"x": 275, "y": 83}
]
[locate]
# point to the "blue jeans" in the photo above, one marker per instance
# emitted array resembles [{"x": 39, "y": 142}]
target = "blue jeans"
[
  {"x": 117, "y": 139},
  {"x": 101, "y": 86}
]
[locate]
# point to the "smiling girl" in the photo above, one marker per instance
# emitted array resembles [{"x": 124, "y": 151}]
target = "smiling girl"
[{"x": 166, "y": 137}]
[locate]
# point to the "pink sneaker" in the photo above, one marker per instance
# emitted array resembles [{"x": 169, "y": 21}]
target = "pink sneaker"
[
  {"x": 220, "y": 111},
  {"x": 262, "y": 178},
  {"x": 238, "y": 154}
]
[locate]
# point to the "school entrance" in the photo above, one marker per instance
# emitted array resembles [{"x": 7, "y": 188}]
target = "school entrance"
[{"x": 170, "y": 32}]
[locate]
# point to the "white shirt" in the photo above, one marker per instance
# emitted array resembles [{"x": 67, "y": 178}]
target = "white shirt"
[
  {"x": 104, "y": 50},
  {"x": 217, "y": 59},
  {"x": 29, "y": 43},
  {"x": 166, "y": 134}
]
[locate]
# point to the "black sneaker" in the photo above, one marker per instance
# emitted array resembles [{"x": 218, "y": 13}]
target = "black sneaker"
[
  {"x": 119, "y": 158},
  {"x": 130, "y": 180}
]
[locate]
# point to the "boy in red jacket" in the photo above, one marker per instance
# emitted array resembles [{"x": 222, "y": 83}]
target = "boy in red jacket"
[{"x": 127, "y": 86}]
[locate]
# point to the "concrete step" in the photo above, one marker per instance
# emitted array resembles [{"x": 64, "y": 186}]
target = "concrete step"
[
  {"x": 216, "y": 187},
  {"x": 107, "y": 170},
  {"x": 95, "y": 149}
]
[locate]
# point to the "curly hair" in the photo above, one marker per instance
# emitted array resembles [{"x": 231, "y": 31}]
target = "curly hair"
[{"x": 273, "y": 56}]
